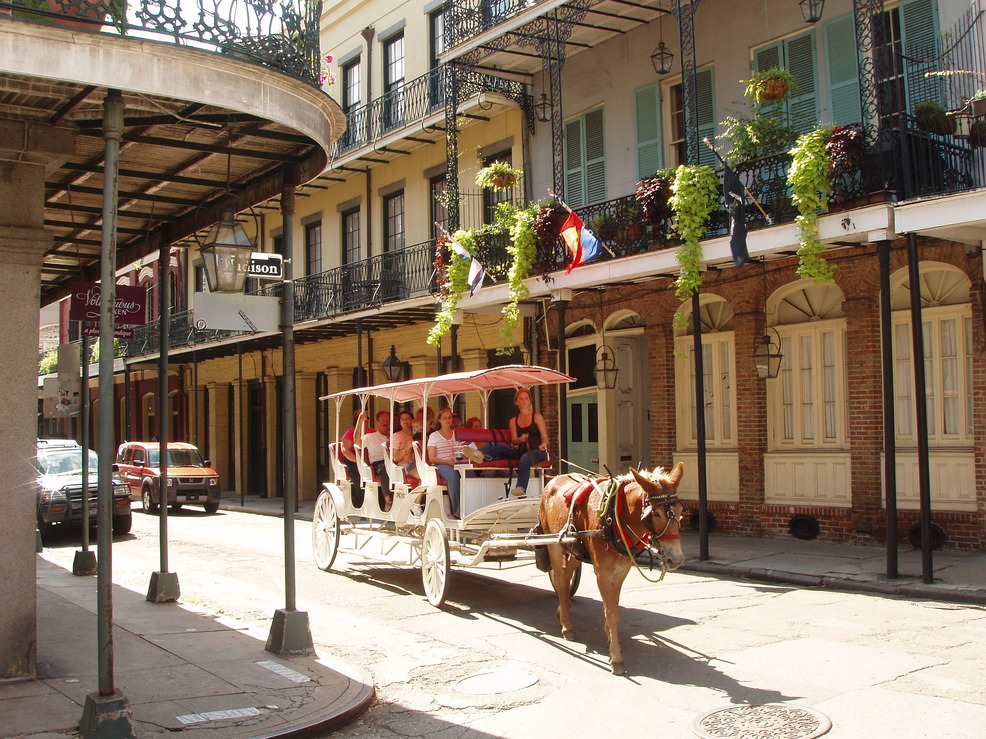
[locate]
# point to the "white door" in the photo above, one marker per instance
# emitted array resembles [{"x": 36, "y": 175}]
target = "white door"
[{"x": 629, "y": 403}]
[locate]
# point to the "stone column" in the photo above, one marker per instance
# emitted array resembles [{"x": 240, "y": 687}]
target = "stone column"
[{"x": 27, "y": 151}]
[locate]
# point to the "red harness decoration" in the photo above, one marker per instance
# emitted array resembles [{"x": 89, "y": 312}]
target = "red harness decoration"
[
  {"x": 622, "y": 513},
  {"x": 581, "y": 492}
]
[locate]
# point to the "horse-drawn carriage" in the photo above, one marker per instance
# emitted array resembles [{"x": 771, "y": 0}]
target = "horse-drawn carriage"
[{"x": 493, "y": 526}]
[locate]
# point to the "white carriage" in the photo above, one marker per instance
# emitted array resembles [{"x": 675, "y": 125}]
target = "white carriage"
[{"x": 493, "y": 525}]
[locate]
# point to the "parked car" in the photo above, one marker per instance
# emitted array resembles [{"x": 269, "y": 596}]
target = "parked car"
[
  {"x": 190, "y": 478},
  {"x": 59, "y": 488}
]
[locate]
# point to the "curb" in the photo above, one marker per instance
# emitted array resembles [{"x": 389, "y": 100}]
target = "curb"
[{"x": 948, "y": 594}]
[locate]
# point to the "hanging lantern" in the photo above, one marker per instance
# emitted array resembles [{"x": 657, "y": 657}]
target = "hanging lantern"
[
  {"x": 812, "y": 10},
  {"x": 393, "y": 368},
  {"x": 767, "y": 358},
  {"x": 661, "y": 58},
  {"x": 226, "y": 255},
  {"x": 605, "y": 370},
  {"x": 542, "y": 108}
]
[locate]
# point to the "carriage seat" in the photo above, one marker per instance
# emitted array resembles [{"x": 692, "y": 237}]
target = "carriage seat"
[{"x": 495, "y": 436}]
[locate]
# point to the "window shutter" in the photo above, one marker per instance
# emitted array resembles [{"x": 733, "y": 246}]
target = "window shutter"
[
  {"x": 647, "y": 113},
  {"x": 595, "y": 157},
  {"x": 705, "y": 95},
  {"x": 768, "y": 56},
  {"x": 803, "y": 102},
  {"x": 574, "y": 189},
  {"x": 919, "y": 35},
  {"x": 841, "y": 65}
]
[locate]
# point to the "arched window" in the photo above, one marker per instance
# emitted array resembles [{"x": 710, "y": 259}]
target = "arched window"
[
  {"x": 809, "y": 410},
  {"x": 947, "y": 318},
  {"x": 718, "y": 352}
]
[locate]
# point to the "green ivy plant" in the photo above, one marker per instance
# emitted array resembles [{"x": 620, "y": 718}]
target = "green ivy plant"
[
  {"x": 498, "y": 176},
  {"x": 523, "y": 252},
  {"x": 49, "y": 362},
  {"x": 810, "y": 180},
  {"x": 456, "y": 283},
  {"x": 695, "y": 194}
]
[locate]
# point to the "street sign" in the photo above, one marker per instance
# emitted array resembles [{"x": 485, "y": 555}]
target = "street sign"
[
  {"x": 270, "y": 266},
  {"x": 236, "y": 312},
  {"x": 129, "y": 308}
]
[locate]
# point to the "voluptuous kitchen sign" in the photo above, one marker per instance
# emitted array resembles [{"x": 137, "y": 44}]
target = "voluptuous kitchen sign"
[{"x": 130, "y": 307}]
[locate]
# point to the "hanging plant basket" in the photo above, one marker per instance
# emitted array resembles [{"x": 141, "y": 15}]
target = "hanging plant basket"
[
  {"x": 498, "y": 176},
  {"x": 770, "y": 91},
  {"x": 931, "y": 117}
]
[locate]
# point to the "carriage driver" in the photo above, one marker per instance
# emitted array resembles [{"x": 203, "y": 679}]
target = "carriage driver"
[{"x": 374, "y": 441}]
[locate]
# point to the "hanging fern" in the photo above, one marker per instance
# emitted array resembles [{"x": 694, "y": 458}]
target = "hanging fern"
[
  {"x": 453, "y": 284},
  {"x": 523, "y": 251},
  {"x": 810, "y": 181},
  {"x": 695, "y": 195}
]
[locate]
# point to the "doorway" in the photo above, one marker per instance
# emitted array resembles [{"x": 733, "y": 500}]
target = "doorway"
[
  {"x": 256, "y": 480},
  {"x": 583, "y": 433}
]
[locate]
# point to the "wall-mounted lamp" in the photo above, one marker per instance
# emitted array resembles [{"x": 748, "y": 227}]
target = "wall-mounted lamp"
[
  {"x": 542, "y": 108},
  {"x": 605, "y": 369},
  {"x": 767, "y": 357},
  {"x": 812, "y": 10},
  {"x": 393, "y": 368}
]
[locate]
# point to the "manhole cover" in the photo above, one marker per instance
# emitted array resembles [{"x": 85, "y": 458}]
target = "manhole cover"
[
  {"x": 769, "y": 721},
  {"x": 498, "y": 681}
]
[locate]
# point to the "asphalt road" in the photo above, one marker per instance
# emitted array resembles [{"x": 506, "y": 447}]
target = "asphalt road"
[{"x": 876, "y": 666}]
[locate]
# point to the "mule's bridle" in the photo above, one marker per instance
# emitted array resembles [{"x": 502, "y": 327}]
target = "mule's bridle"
[{"x": 668, "y": 500}]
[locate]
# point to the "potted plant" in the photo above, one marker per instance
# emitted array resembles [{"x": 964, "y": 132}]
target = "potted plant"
[
  {"x": 757, "y": 133},
  {"x": 977, "y": 104},
  {"x": 931, "y": 117},
  {"x": 846, "y": 149},
  {"x": 604, "y": 226},
  {"x": 453, "y": 282},
  {"x": 810, "y": 181},
  {"x": 770, "y": 85},
  {"x": 498, "y": 176}
]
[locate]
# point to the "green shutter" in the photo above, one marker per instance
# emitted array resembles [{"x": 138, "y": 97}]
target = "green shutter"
[
  {"x": 919, "y": 37},
  {"x": 647, "y": 114},
  {"x": 768, "y": 56},
  {"x": 802, "y": 105},
  {"x": 705, "y": 96},
  {"x": 841, "y": 64},
  {"x": 574, "y": 189},
  {"x": 595, "y": 157}
]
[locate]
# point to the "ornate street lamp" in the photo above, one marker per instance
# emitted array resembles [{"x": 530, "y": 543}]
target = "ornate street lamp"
[
  {"x": 767, "y": 358},
  {"x": 812, "y": 10},
  {"x": 542, "y": 108},
  {"x": 226, "y": 255},
  {"x": 661, "y": 58},
  {"x": 605, "y": 369},
  {"x": 393, "y": 368}
]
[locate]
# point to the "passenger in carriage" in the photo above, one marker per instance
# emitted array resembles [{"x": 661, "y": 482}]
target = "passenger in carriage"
[
  {"x": 441, "y": 454},
  {"x": 374, "y": 442},
  {"x": 528, "y": 442},
  {"x": 402, "y": 443},
  {"x": 348, "y": 458},
  {"x": 474, "y": 422},
  {"x": 419, "y": 427}
]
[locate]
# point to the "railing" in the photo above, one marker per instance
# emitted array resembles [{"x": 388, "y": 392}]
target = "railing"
[
  {"x": 385, "y": 278},
  {"x": 410, "y": 104},
  {"x": 469, "y": 19},
  {"x": 283, "y": 36}
]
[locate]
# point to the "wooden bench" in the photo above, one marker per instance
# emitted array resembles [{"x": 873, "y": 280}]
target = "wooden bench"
[{"x": 495, "y": 436}]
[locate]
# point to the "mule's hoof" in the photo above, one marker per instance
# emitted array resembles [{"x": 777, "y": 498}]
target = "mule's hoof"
[
  {"x": 568, "y": 634},
  {"x": 618, "y": 668}
]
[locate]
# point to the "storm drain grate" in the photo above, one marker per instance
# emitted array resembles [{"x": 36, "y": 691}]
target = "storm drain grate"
[
  {"x": 498, "y": 681},
  {"x": 768, "y": 721}
]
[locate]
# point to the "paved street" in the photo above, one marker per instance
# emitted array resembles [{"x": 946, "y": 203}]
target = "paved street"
[{"x": 876, "y": 666}]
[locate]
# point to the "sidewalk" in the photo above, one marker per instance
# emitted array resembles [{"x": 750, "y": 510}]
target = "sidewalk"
[
  {"x": 180, "y": 669},
  {"x": 960, "y": 577}
]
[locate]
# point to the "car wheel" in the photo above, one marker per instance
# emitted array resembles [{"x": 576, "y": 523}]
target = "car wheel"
[
  {"x": 149, "y": 505},
  {"x": 123, "y": 524},
  {"x": 211, "y": 507}
]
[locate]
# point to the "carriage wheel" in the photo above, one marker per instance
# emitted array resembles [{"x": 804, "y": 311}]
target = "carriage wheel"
[
  {"x": 576, "y": 579},
  {"x": 325, "y": 532},
  {"x": 435, "y": 562}
]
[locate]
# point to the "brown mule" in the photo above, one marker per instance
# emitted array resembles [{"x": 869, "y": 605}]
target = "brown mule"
[{"x": 649, "y": 508}]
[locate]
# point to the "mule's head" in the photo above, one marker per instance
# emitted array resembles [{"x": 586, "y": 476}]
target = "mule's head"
[{"x": 663, "y": 511}]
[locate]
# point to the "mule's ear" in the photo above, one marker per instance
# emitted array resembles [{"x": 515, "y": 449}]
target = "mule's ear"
[
  {"x": 642, "y": 480},
  {"x": 675, "y": 475}
]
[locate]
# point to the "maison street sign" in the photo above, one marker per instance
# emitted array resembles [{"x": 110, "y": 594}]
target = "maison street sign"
[{"x": 270, "y": 266}]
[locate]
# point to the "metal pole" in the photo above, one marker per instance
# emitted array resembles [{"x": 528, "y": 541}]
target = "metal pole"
[
  {"x": 107, "y": 706},
  {"x": 889, "y": 435},
  {"x": 562, "y": 388},
  {"x": 290, "y": 632},
  {"x": 127, "y": 390},
  {"x": 164, "y": 584},
  {"x": 921, "y": 407},
  {"x": 239, "y": 414},
  {"x": 703, "y": 496},
  {"x": 85, "y": 559}
]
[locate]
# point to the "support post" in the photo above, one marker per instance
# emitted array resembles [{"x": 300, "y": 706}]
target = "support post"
[
  {"x": 889, "y": 435},
  {"x": 107, "y": 712},
  {"x": 562, "y": 303},
  {"x": 85, "y": 558},
  {"x": 290, "y": 632},
  {"x": 703, "y": 494}
]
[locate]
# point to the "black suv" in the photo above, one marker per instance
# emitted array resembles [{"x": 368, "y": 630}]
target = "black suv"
[{"x": 59, "y": 488}]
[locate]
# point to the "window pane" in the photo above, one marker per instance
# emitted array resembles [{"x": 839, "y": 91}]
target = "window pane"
[
  {"x": 593, "y": 422},
  {"x": 725, "y": 394},
  {"x": 949, "y": 376},
  {"x": 313, "y": 248},
  {"x": 709, "y": 390},
  {"x": 807, "y": 399},
  {"x": 393, "y": 226},
  {"x": 350, "y": 237},
  {"x": 787, "y": 390},
  {"x": 828, "y": 389},
  {"x": 929, "y": 377},
  {"x": 575, "y": 422},
  {"x": 902, "y": 379}
]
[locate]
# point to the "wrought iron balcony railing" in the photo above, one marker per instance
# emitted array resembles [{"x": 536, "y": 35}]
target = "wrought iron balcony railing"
[
  {"x": 282, "y": 36},
  {"x": 472, "y": 17},
  {"x": 410, "y": 104}
]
